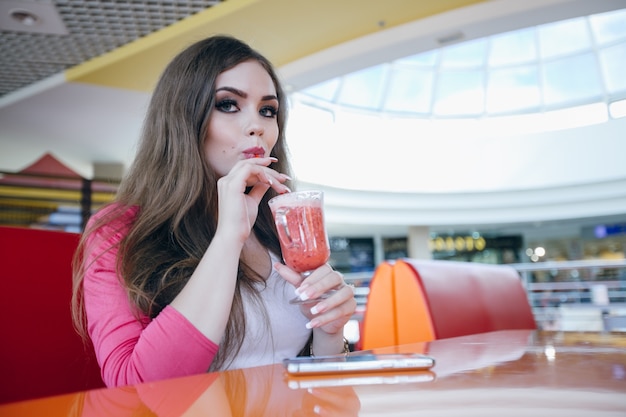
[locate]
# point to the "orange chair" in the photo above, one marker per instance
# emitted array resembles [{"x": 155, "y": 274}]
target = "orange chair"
[
  {"x": 379, "y": 318},
  {"x": 422, "y": 300},
  {"x": 41, "y": 353}
]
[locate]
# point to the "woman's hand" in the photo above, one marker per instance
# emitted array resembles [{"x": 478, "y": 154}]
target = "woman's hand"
[
  {"x": 237, "y": 209},
  {"x": 331, "y": 314},
  {"x": 206, "y": 299}
]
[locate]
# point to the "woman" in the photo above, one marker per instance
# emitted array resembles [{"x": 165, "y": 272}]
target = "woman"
[{"x": 181, "y": 273}]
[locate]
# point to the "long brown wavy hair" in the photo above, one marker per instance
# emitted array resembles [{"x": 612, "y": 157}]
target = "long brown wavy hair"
[{"x": 175, "y": 189}]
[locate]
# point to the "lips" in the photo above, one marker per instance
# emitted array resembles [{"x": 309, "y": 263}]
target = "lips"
[{"x": 256, "y": 152}]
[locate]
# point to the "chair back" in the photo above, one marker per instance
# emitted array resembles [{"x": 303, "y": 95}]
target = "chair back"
[
  {"x": 41, "y": 353},
  {"x": 426, "y": 300}
]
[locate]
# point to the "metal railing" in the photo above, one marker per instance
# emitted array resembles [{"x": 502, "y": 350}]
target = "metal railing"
[
  {"x": 574, "y": 295},
  {"x": 556, "y": 290}
]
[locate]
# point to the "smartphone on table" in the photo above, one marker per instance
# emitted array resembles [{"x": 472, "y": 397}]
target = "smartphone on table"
[{"x": 357, "y": 363}]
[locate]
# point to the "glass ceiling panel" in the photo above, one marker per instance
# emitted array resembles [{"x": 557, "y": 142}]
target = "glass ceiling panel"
[
  {"x": 563, "y": 38},
  {"x": 548, "y": 67},
  {"x": 613, "y": 61},
  {"x": 362, "y": 88},
  {"x": 609, "y": 27},
  {"x": 513, "y": 48},
  {"x": 465, "y": 55},
  {"x": 326, "y": 90},
  {"x": 513, "y": 89},
  {"x": 409, "y": 90},
  {"x": 459, "y": 93},
  {"x": 563, "y": 85}
]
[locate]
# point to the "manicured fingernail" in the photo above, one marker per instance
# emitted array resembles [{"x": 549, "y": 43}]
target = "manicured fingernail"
[
  {"x": 287, "y": 190},
  {"x": 273, "y": 159},
  {"x": 301, "y": 289},
  {"x": 303, "y": 296},
  {"x": 318, "y": 308},
  {"x": 313, "y": 324}
]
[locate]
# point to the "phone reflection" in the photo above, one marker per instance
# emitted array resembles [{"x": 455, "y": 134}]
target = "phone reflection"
[
  {"x": 358, "y": 379},
  {"x": 261, "y": 391},
  {"x": 267, "y": 394}
]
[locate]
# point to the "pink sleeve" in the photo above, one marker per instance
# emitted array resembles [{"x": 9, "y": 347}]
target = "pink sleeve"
[{"x": 131, "y": 351}]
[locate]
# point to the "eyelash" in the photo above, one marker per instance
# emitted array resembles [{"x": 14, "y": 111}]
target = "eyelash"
[
  {"x": 273, "y": 111},
  {"x": 224, "y": 106}
]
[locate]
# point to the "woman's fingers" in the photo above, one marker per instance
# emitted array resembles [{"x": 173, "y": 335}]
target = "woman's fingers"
[
  {"x": 288, "y": 274},
  {"x": 332, "y": 313},
  {"x": 337, "y": 299},
  {"x": 250, "y": 172},
  {"x": 261, "y": 174},
  {"x": 258, "y": 191},
  {"x": 238, "y": 209},
  {"x": 322, "y": 280}
]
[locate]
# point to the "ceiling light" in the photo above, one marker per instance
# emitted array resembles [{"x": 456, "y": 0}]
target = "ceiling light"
[
  {"x": 31, "y": 17},
  {"x": 24, "y": 17}
]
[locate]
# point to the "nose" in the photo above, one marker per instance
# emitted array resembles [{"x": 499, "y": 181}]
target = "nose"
[{"x": 255, "y": 128}]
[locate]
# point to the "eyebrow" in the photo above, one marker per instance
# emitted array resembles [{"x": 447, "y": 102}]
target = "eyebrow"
[{"x": 244, "y": 94}]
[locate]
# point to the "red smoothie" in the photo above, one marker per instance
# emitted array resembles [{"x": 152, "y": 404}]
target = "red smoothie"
[{"x": 303, "y": 241}]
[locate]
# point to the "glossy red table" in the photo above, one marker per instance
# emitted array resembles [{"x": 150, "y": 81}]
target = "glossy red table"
[{"x": 505, "y": 373}]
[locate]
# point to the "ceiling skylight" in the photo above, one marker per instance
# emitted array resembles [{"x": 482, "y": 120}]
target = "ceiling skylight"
[{"x": 549, "y": 67}]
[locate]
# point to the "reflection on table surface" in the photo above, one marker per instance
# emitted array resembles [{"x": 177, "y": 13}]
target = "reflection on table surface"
[{"x": 510, "y": 373}]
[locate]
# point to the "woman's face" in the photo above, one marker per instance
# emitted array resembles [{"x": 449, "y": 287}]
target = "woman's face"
[{"x": 243, "y": 123}]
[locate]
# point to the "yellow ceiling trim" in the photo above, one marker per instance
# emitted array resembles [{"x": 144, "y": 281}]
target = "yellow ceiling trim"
[{"x": 283, "y": 30}]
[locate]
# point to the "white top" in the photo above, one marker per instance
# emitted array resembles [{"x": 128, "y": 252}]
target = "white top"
[{"x": 287, "y": 333}]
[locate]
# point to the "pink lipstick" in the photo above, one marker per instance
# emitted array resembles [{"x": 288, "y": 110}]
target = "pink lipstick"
[{"x": 256, "y": 152}]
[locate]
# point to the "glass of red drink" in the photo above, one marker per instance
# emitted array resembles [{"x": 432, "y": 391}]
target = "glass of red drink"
[{"x": 299, "y": 218}]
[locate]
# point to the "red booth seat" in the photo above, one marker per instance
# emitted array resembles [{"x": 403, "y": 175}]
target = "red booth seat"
[
  {"x": 422, "y": 300},
  {"x": 41, "y": 354}
]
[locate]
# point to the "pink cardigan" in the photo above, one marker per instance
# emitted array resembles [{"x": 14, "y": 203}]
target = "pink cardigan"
[{"x": 131, "y": 351}]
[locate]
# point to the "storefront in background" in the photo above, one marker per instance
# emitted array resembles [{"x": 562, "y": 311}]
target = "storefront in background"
[
  {"x": 352, "y": 254},
  {"x": 472, "y": 247},
  {"x": 597, "y": 242}
]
